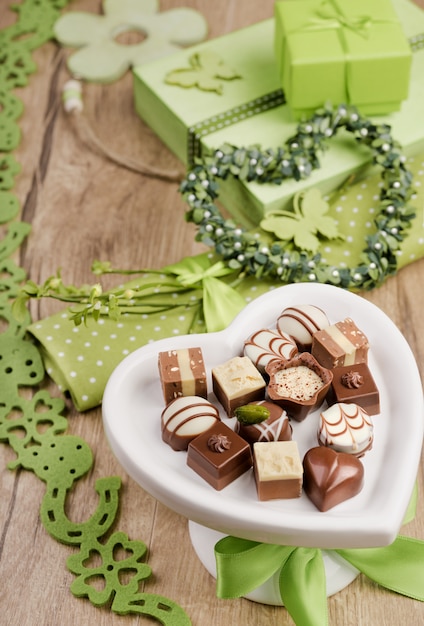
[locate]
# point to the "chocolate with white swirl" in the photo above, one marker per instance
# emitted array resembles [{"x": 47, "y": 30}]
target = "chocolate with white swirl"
[
  {"x": 301, "y": 322},
  {"x": 267, "y": 345},
  {"x": 346, "y": 428},
  {"x": 275, "y": 428},
  {"x": 185, "y": 418}
]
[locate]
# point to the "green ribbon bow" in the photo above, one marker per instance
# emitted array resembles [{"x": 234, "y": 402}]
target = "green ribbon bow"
[
  {"x": 331, "y": 16},
  {"x": 221, "y": 303},
  {"x": 331, "y": 12},
  {"x": 244, "y": 565}
]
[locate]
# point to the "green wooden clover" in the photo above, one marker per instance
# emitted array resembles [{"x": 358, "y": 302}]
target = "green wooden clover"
[{"x": 102, "y": 58}]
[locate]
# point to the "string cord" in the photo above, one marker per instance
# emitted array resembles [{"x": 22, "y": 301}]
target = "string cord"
[{"x": 74, "y": 107}]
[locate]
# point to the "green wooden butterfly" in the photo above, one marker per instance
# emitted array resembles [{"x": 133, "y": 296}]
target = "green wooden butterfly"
[
  {"x": 206, "y": 72},
  {"x": 305, "y": 224}
]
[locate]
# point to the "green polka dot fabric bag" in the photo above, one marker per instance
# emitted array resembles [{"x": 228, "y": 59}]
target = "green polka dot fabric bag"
[{"x": 80, "y": 358}]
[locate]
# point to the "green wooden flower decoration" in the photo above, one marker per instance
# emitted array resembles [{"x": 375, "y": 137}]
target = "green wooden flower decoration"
[
  {"x": 207, "y": 71},
  {"x": 306, "y": 224},
  {"x": 103, "y": 59}
]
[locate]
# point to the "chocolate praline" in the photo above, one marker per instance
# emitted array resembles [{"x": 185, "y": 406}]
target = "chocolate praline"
[
  {"x": 219, "y": 456},
  {"x": 267, "y": 345},
  {"x": 278, "y": 470},
  {"x": 301, "y": 321},
  {"x": 275, "y": 428},
  {"x": 185, "y": 418},
  {"x": 182, "y": 373},
  {"x": 237, "y": 382},
  {"x": 342, "y": 343},
  {"x": 354, "y": 383},
  {"x": 346, "y": 428},
  {"x": 307, "y": 386},
  {"x": 331, "y": 477}
]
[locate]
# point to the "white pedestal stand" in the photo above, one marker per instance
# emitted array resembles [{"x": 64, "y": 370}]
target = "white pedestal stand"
[{"x": 339, "y": 572}]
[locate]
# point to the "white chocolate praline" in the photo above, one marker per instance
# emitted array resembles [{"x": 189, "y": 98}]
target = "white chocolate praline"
[
  {"x": 299, "y": 383},
  {"x": 237, "y": 377},
  {"x": 278, "y": 460},
  {"x": 185, "y": 418},
  {"x": 346, "y": 428},
  {"x": 267, "y": 345},
  {"x": 301, "y": 322}
]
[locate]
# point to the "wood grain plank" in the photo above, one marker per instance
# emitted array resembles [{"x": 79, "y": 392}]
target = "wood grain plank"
[{"x": 82, "y": 207}]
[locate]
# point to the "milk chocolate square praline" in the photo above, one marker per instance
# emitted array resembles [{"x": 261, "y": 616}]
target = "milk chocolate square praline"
[
  {"x": 219, "y": 464},
  {"x": 354, "y": 383}
]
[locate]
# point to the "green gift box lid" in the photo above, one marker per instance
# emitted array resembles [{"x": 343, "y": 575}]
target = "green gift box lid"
[
  {"x": 341, "y": 51},
  {"x": 251, "y": 110}
]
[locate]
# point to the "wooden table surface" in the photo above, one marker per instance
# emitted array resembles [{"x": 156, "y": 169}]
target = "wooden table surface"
[{"x": 82, "y": 207}]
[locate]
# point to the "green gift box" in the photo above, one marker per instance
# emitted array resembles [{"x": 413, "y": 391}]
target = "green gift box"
[
  {"x": 341, "y": 51},
  {"x": 251, "y": 110}
]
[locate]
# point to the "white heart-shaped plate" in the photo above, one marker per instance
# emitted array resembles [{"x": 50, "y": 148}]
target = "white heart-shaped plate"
[{"x": 133, "y": 403}]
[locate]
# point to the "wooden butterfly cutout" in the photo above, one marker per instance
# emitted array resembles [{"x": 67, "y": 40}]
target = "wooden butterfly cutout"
[{"x": 206, "y": 73}]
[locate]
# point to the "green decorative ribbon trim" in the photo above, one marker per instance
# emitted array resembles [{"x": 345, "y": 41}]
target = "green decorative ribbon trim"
[
  {"x": 221, "y": 303},
  {"x": 244, "y": 565},
  {"x": 257, "y": 105},
  {"x": 416, "y": 42},
  {"x": 333, "y": 17},
  {"x": 228, "y": 118}
]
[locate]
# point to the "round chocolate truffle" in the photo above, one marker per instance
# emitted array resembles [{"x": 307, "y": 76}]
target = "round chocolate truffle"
[
  {"x": 185, "y": 418},
  {"x": 268, "y": 345},
  {"x": 346, "y": 428},
  {"x": 301, "y": 322}
]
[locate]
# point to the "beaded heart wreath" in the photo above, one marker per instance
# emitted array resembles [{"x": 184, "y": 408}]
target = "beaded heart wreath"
[{"x": 247, "y": 252}]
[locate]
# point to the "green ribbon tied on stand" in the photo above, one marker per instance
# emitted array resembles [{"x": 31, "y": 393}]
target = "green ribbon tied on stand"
[
  {"x": 221, "y": 303},
  {"x": 244, "y": 565}
]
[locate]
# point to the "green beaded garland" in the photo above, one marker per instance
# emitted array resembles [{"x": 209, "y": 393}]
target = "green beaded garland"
[{"x": 247, "y": 252}]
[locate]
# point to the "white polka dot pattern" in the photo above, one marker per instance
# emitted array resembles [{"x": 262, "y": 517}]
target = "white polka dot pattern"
[{"x": 81, "y": 359}]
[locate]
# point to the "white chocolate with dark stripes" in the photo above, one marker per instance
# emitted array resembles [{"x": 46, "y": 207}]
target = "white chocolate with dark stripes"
[
  {"x": 301, "y": 322},
  {"x": 267, "y": 345},
  {"x": 346, "y": 428},
  {"x": 185, "y": 418}
]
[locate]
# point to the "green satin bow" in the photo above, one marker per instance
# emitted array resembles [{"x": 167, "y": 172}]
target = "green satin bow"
[
  {"x": 331, "y": 12},
  {"x": 221, "y": 303},
  {"x": 244, "y": 565}
]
